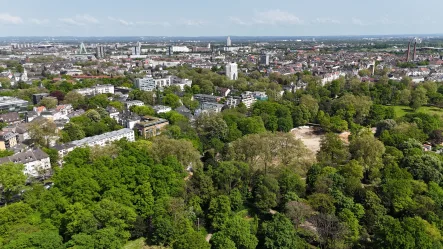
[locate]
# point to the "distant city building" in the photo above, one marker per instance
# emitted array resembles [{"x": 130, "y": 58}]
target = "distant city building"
[
  {"x": 137, "y": 49},
  {"x": 151, "y": 126},
  {"x": 228, "y": 41},
  {"x": 264, "y": 58},
  {"x": 98, "y": 89},
  {"x": 180, "y": 49},
  {"x": 12, "y": 104},
  {"x": 232, "y": 71},
  {"x": 170, "y": 51},
  {"x": 101, "y": 52},
  {"x": 37, "y": 163}
]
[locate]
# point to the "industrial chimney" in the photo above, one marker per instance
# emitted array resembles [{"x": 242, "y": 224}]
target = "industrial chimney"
[
  {"x": 409, "y": 50},
  {"x": 415, "y": 51}
]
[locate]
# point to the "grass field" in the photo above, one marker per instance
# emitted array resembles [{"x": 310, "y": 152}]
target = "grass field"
[
  {"x": 140, "y": 244},
  {"x": 401, "y": 111}
]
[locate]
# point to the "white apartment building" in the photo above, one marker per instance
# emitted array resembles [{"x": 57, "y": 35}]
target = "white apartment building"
[
  {"x": 99, "y": 140},
  {"x": 150, "y": 84},
  {"x": 37, "y": 163},
  {"x": 98, "y": 89},
  {"x": 180, "y": 49},
  {"x": 248, "y": 99},
  {"x": 129, "y": 104},
  {"x": 232, "y": 71}
]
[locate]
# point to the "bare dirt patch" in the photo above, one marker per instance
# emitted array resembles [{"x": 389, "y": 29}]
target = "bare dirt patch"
[{"x": 310, "y": 136}]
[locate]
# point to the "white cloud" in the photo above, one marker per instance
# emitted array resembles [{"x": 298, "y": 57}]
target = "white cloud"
[
  {"x": 7, "y": 18},
  {"x": 121, "y": 21},
  {"x": 326, "y": 21},
  {"x": 357, "y": 21},
  {"x": 79, "y": 20},
  {"x": 239, "y": 21},
  {"x": 270, "y": 17},
  {"x": 188, "y": 22},
  {"x": 71, "y": 21},
  {"x": 39, "y": 21},
  {"x": 138, "y": 23},
  {"x": 276, "y": 17},
  {"x": 85, "y": 18},
  {"x": 145, "y": 23}
]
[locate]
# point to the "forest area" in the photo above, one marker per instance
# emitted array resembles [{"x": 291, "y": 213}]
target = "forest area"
[{"x": 253, "y": 184}]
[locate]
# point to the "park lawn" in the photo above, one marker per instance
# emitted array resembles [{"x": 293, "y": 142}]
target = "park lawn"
[
  {"x": 401, "y": 111},
  {"x": 140, "y": 244}
]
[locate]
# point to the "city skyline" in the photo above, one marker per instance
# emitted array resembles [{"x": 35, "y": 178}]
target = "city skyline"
[{"x": 198, "y": 18}]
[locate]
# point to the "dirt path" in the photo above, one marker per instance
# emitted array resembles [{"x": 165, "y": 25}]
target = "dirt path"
[{"x": 208, "y": 237}]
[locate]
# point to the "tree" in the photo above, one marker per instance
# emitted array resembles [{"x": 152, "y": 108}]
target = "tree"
[
  {"x": 322, "y": 202},
  {"x": 41, "y": 239},
  {"x": 418, "y": 98},
  {"x": 265, "y": 193},
  {"x": 298, "y": 212},
  {"x": 332, "y": 152},
  {"x": 73, "y": 132},
  {"x": 279, "y": 233},
  {"x": 404, "y": 97},
  {"x": 426, "y": 167},
  {"x": 172, "y": 100},
  {"x": 236, "y": 231},
  {"x": 211, "y": 126},
  {"x": 330, "y": 230},
  {"x": 75, "y": 99},
  {"x": 265, "y": 150},
  {"x": 183, "y": 150},
  {"x": 221, "y": 241},
  {"x": 49, "y": 103},
  {"x": 12, "y": 179},
  {"x": 142, "y": 110},
  {"x": 43, "y": 132},
  {"x": 100, "y": 100},
  {"x": 219, "y": 211},
  {"x": 230, "y": 175},
  {"x": 58, "y": 94},
  {"x": 191, "y": 240},
  {"x": 368, "y": 151},
  {"x": 312, "y": 104}
]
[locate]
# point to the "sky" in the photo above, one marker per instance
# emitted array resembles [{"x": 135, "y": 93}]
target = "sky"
[{"x": 219, "y": 18}]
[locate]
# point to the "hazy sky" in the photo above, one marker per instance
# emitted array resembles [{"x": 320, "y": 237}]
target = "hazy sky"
[{"x": 219, "y": 18}]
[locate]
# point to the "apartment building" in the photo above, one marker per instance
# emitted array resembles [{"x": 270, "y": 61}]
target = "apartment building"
[
  {"x": 99, "y": 140},
  {"x": 129, "y": 104},
  {"x": 8, "y": 140},
  {"x": 37, "y": 163},
  {"x": 150, "y": 84},
  {"x": 207, "y": 98},
  {"x": 95, "y": 90},
  {"x": 151, "y": 126}
]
